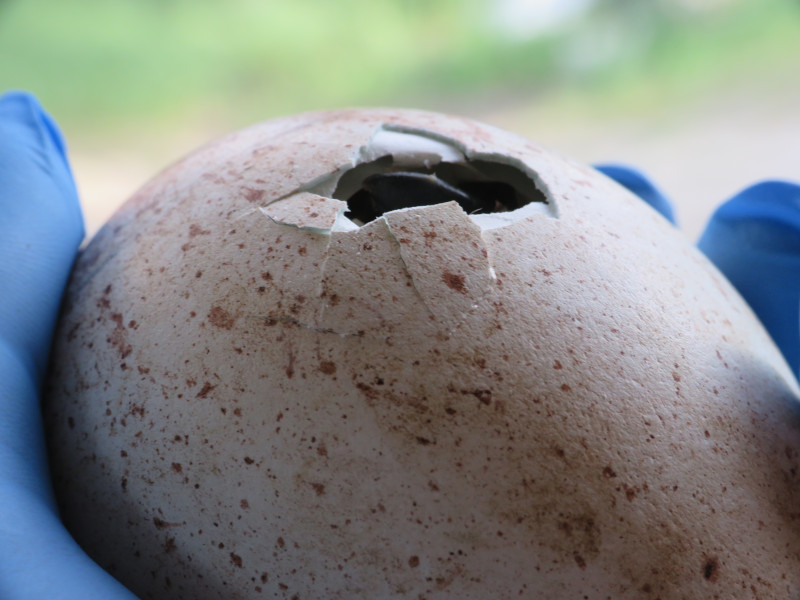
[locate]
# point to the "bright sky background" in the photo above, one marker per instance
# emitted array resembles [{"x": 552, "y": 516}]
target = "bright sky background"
[{"x": 526, "y": 18}]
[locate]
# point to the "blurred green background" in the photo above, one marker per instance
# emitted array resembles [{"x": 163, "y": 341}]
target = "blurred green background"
[{"x": 704, "y": 95}]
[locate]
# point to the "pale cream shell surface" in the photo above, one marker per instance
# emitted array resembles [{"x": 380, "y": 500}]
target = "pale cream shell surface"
[{"x": 245, "y": 403}]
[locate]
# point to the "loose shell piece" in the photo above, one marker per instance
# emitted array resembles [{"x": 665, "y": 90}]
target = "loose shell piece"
[{"x": 254, "y": 396}]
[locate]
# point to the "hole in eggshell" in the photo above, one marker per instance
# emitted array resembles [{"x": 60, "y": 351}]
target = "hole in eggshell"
[
  {"x": 402, "y": 169},
  {"x": 478, "y": 186}
]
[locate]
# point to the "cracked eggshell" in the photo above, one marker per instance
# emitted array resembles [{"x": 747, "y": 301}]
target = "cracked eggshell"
[{"x": 251, "y": 396}]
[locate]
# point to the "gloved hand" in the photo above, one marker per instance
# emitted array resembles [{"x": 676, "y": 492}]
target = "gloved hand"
[
  {"x": 638, "y": 183},
  {"x": 754, "y": 239},
  {"x": 40, "y": 230}
]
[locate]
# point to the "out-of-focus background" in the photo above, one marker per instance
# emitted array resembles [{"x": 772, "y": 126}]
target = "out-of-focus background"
[{"x": 703, "y": 95}]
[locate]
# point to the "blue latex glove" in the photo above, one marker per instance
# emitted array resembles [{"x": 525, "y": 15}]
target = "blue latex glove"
[
  {"x": 640, "y": 185},
  {"x": 40, "y": 230},
  {"x": 754, "y": 239}
]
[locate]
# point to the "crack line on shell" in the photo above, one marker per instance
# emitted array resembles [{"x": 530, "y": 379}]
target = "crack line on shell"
[
  {"x": 317, "y": 230},
  {"x": 475, "y": 306},
  {"x": 326, "y": 234},
  {"x": 405, "y": 266},
  {"x": 321, "y": 287},
  {"x": 488, "y": 291},
  {"x": 313, "y": 185}
]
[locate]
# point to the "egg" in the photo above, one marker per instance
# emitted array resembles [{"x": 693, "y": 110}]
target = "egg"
[{"x": 398, "y": 354}]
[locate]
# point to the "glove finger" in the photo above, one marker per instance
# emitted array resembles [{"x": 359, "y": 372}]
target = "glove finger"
[
  {"x": 639, "y": 184},
  {"x": 40, "y": 227},
  {"x": 754, "y": 239},
  {"x": 40, "y": 230}
]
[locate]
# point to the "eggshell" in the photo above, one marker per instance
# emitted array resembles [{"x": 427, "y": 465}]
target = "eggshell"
[{"x": 251, "y": 396}]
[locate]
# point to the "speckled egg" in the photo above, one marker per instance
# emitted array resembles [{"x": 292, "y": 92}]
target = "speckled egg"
[{"x": 396, "y": 354}]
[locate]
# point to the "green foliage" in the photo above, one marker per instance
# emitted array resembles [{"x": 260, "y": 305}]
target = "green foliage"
[
  {"x": 97, "y": 63},
  {"x": 108, "y": 58},
  {"x": 690, "y": 53}
]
